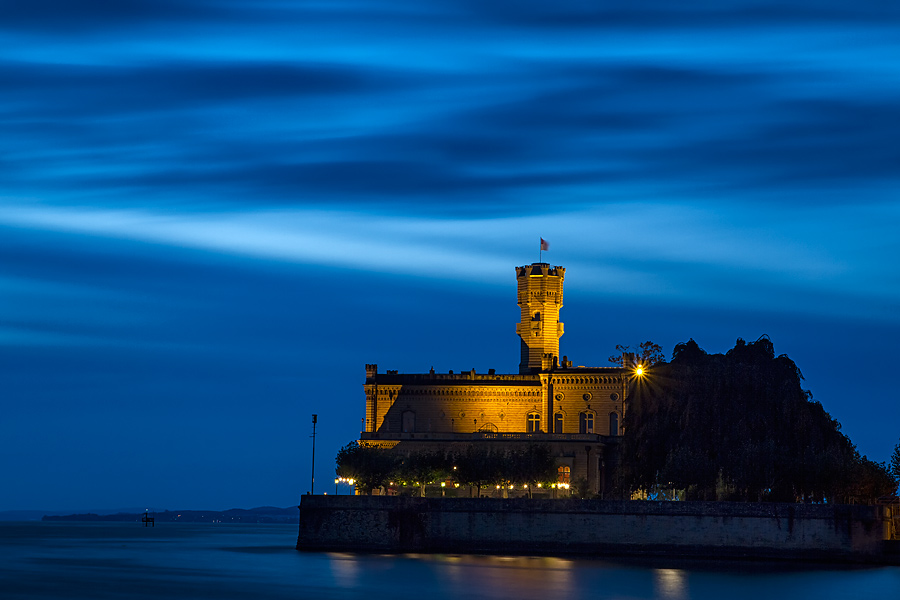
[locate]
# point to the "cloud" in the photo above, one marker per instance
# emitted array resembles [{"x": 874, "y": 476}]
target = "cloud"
[
  {"x": 319, "y": 134},
  {"x": 90, "y": 15},
  {"x": 690, "y": 254}
]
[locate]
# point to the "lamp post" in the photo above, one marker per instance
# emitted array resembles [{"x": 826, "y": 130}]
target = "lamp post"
[{"x": 312, "y": 482}]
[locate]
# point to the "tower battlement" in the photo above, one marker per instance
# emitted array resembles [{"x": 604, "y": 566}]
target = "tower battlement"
[{"x": 540, "y": 269}]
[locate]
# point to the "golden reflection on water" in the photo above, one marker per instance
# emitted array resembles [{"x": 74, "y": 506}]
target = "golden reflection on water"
[
  {"x": 508, "y": 576},
  {"x": 344, "y": 569},
  {"x": 671, "y": 584}
]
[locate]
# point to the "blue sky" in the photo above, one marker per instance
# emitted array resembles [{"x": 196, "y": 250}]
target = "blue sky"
[{"x": 213, "y": 214}]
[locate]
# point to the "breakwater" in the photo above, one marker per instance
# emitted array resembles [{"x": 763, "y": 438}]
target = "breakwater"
[{"x": 595, "y": 528}]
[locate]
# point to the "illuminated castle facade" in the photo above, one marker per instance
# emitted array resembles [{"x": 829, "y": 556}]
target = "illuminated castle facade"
[{"x": 577, "y": 411}]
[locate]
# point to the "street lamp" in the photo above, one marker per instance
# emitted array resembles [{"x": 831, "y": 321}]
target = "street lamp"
[{"x": 312, "y": 482}]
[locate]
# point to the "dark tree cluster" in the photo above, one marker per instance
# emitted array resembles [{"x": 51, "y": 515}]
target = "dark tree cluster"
[
  {"x": 895, "y": 464},
  {"x": 476, "y": 465},
  {"x": 739, "y": 426},
  {"x": 647, "y": 353}
]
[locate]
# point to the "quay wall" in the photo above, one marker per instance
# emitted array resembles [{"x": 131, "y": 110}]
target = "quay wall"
[{"x": 594, "y": 528}]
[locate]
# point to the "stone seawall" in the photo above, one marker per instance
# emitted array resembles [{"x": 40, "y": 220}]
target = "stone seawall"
[{"x": 593, "y": 528}]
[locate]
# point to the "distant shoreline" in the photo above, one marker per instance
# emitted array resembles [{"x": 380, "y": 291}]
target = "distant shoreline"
[{"x": 263, "y": 514}]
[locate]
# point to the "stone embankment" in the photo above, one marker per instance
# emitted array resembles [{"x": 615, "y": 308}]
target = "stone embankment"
[{"x": 597, "y": 528}]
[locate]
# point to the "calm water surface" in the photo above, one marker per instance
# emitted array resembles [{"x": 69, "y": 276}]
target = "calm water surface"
[{"x": 176, "y": 561}]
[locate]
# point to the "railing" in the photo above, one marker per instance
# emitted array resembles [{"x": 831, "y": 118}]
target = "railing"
[{"x": 486, "y": 435}]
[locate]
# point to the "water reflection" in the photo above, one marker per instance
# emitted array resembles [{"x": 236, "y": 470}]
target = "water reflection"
[
  {"x": 344, "y": 569},
  {"x": 499, "y": 576},
  {"x": 193, "y": 562},
  {"x": 474, "y": 577},
  {"x": 671, "y": 584}
]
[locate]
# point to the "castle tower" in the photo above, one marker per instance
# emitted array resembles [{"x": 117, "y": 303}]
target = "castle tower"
[{"x": 540, "y": 296}]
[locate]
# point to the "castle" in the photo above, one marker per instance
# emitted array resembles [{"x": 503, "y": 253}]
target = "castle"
[{"x": 576, "y": 411}]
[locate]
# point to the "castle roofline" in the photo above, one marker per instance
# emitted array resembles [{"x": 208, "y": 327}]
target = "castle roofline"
[
  {"x": 463, "y": 378},
  {"x": 472, "y": 378}
]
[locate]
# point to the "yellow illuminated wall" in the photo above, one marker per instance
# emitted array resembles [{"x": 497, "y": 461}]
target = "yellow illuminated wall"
[
  {"x": 540, "y": 296},
  {"x": 548, "y": 395}
]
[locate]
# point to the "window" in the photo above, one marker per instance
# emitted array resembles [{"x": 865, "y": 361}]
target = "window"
[
  {"x": 409, "y": 422},
  {"x": 613, "y": 424},
  {"x": 586, "y": 423},
  {"x": 534, "y": 423},
  {"x": 563, "y": 473},
  {"x": 557, "y": 423}
]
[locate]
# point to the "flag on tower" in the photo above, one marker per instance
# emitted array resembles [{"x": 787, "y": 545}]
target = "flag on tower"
[{"x": 545, "y": 245}]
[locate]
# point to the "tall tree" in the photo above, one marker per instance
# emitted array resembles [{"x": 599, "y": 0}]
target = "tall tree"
[{"x": 895, "y": 465}]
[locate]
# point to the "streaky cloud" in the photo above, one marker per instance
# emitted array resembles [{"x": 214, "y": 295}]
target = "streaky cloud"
[{"x": 694, "y": 255}]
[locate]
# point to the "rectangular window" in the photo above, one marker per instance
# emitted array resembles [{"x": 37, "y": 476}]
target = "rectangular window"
[
  {"x": 534, "y": 423},
  {"x": 557, "y": 424}
]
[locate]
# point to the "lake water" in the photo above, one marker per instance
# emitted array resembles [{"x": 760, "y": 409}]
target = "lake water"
[{"x": 175, "y": 561}]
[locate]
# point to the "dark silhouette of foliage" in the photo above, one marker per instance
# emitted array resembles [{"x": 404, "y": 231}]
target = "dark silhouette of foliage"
[
  {"x": 868, "y": 480},
  {"x": 478, "y": 466},
  {"x": 530, "y": 466},
  {"x": 647, "y": 354},
  {"x": 581, "y": 489},
  {"x": 739, "y": 426},
  {"x": 895, "y": 466},
  {"x": 422, "y": 468},
  {"x": 371, "y": 467}
]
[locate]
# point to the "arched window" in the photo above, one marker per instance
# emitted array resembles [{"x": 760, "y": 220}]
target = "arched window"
[
  {"x": 613, "y": 424},
  {"x": 586, "y": 422},
  {"x": 563, "y": 474},
  {"x": 489, "y": 427},
  {"x": 536, "y": 317},
  {"x": 534, "y": 423},
  {"x": 558, "y": 423}
]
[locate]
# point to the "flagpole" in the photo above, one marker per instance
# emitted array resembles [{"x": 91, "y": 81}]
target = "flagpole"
[{"x": 541, "y": 251}]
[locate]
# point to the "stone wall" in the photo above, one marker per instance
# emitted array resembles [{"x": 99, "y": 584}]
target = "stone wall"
[{"x": 593, "y": 527}]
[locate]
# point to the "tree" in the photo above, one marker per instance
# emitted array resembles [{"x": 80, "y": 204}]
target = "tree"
[
  {"x": 422, "y": 468},
  {"x": 647, "y": 354},
  {"x": 478, "y": 466},
  {"x": 895, "y": 465},
  {"x": 530, "y": 466},
  {"x": 739, "y": 426},
  {"x": 867, "y": 480},
  {"x": 370, "y": 466}
]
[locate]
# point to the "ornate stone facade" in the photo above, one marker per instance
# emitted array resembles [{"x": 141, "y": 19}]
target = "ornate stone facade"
[{"x": 577, "y": 411}]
